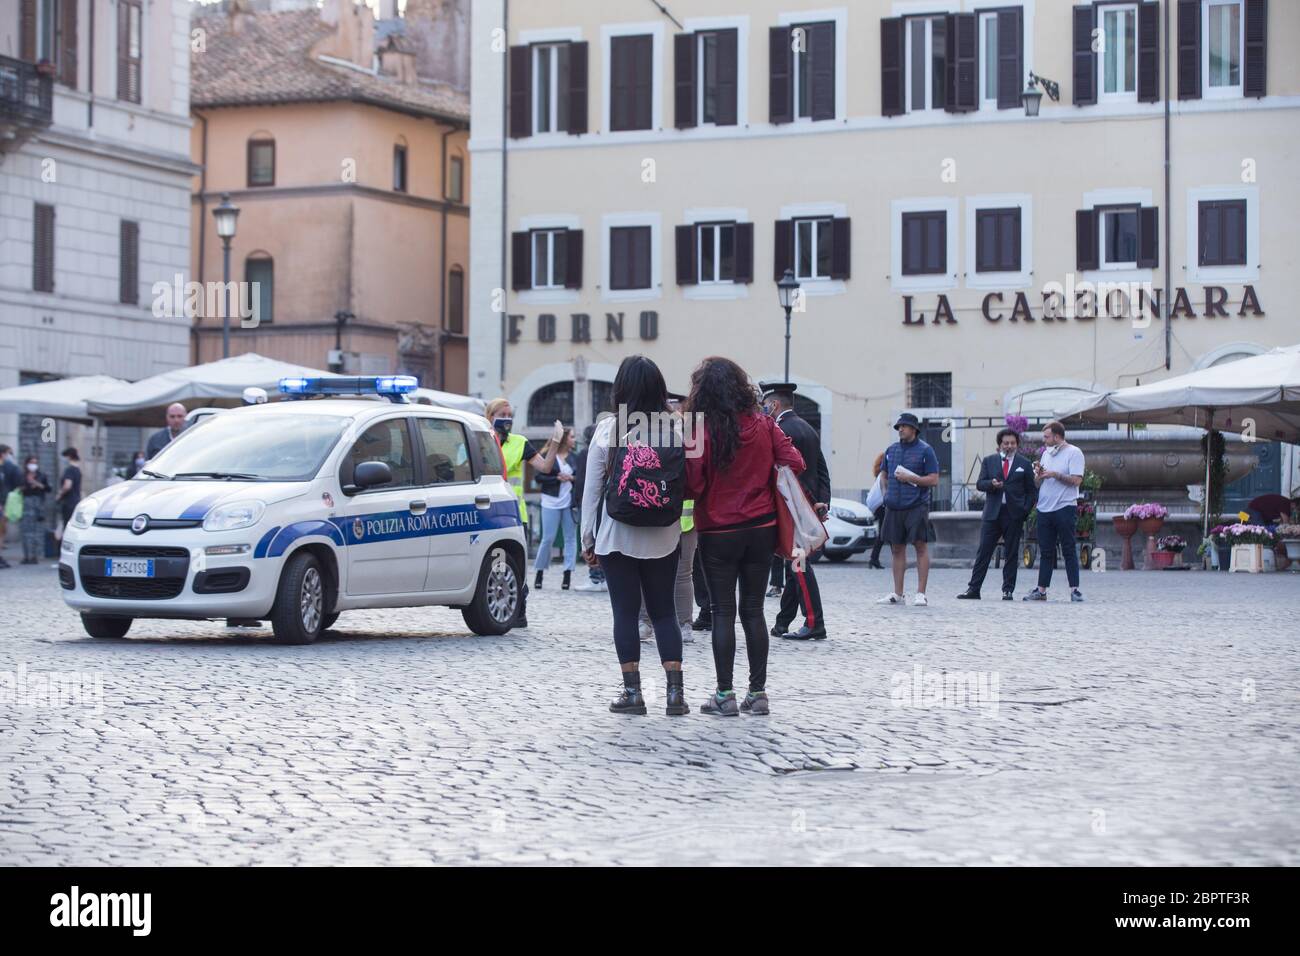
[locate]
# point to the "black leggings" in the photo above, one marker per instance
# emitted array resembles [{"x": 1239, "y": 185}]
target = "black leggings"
[
  {"x": 743, "y": 557},
  {"x": 656, "y": 578}
]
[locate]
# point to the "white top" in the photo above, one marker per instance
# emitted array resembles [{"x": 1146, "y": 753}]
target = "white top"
[
  {"x": 565, "y": 498},
  {"x": 614, "y": 535},
  {"x": 1054, "y": 495}
]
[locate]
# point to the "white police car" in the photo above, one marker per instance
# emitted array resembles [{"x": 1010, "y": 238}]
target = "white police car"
[{"x": 295, "y": 511}]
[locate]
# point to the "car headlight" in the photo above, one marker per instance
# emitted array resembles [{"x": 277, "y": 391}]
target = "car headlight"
[
  {"x": 84, "y": 516},
  {"x": 844, "y": 514},
  {"x": 236, "y": 515}
]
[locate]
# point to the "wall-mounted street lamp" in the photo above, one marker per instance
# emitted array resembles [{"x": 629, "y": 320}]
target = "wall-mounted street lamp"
[
  {"x": 227, "y": 216},
  {"x": 786, "y": 289},
  {"x": 1033, "y": 96}
]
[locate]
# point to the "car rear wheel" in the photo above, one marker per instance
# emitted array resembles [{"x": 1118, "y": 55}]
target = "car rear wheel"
[
  {"x": 496, "y": 599},
  {"x": 103, "y": 626},
  {"x": 298, "y": 615}
]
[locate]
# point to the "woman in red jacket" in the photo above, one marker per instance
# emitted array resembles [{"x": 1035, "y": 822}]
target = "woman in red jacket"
[{"x": 729, "y": 474}]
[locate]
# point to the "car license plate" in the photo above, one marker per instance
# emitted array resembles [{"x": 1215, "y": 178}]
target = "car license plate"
[{"x": 128, "y": 567}]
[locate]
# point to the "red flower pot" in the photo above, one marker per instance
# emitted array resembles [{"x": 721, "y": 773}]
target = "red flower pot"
[
  {"x": 1162, "y": 559},
  {"x": 1151, "y": 525},
  {"x": 1126, "y": 528}
]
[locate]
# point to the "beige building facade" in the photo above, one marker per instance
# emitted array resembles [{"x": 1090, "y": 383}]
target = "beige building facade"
[
  {"x": 347, "y": 156},
  {"x": 654, "y": 173}
]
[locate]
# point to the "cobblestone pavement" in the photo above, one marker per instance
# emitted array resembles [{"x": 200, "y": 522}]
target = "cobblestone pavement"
[{"x": 1154, "y": 724}]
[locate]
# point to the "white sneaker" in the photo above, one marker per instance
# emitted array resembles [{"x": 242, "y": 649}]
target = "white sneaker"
[
  {"x": 892, "y": 599},
  {"x": 920, "y": 601},
  {"x": 647, "y": 632},
  {"x": 688, "y": 636}
]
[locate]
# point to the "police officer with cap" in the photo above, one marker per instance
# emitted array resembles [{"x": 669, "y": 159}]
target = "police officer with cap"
[{"x": 801, "y": 591}]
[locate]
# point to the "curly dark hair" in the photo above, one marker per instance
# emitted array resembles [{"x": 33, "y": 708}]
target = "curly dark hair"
[{"x": 721, "y": 392}]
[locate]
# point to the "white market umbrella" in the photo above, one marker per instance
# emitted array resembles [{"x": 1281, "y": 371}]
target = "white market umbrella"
[
  {"x": 219, "y": 383},
  {"x": 463, "y": 403},
  {"x": 64, "y": 398}
]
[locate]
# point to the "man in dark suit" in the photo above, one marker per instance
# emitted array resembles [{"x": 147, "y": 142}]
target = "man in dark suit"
[
  {"x": 165, "y": 436},
  {"x": 801, "y": 592},
  {"x": 1007, "y": 480}
]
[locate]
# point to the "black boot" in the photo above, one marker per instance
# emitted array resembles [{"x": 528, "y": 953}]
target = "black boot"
[
  {"x": 537, "y": 582},
  {"x": 630, "y": 701},
  {"x": 677, "y": 705},
  {"x": 521, "y": 617},
  {"x": 564, "y": 585}
]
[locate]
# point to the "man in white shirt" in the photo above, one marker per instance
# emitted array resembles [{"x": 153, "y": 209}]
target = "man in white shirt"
[{"x": 1058, "y": 473}]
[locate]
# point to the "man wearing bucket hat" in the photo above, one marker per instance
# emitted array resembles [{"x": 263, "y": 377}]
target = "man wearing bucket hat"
[{"x": 911, "y": 469}]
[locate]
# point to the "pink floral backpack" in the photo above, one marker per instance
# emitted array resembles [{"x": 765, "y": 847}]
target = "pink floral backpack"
[{"x": 646, "y": 484}]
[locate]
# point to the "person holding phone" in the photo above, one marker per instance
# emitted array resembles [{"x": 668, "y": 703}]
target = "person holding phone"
[
  {"x": 911, "y": 470},
  {"x": 1008, "y": 482}
]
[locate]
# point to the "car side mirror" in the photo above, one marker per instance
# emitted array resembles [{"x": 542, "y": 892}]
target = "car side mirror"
[{"x": 370, "y": 474}]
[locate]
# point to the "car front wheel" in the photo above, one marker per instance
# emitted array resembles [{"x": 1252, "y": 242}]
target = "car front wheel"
[
  {"x": 496, "y": 599},
  {"x": 298, "y": 614},
  {"x": 105, "y": 627}
]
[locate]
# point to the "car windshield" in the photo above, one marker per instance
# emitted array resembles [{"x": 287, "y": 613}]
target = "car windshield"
[{"x": 262, "y": 446}]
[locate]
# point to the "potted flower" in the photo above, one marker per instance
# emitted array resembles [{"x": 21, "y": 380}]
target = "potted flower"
[
  {"x": 1149, "y": 516},
  {"x": 975, "y": 501},
  {"x": 1289, "y": 534},
  {"x": 1217, "y": 547},
  {"x": 1252, "y": 547},
  {"x": 1168, "y": 551}
]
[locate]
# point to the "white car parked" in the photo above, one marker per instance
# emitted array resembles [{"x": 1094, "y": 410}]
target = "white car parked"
[
  {"x": 295, "y": 511},
  {"x": 850, "y": 529}
]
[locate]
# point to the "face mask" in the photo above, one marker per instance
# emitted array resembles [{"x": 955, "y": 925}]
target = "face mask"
[
  {"x": 139, "y": 462},
  {"x": 32, "y": 467},
  {"x": 503, "y": 425}
]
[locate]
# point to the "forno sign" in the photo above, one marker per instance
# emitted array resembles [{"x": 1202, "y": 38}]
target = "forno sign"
[{"x": 580, "y": 327}]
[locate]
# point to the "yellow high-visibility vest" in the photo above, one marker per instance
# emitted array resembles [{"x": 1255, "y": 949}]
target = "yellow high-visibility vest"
[
  {"x": 513, "y": 451},
  {"x": 688, "y": 515}
]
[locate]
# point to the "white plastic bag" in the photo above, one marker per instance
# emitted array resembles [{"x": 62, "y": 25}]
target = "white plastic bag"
[
  {"x": 800, "y": 531},
  {"x": 875, "y": 497}
]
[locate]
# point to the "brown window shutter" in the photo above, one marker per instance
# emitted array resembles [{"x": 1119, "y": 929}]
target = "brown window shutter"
[
  {"x": 961, "y": 40},
  {"x": 684, "y": 90},
  {"x": 1011, "y": 58},
  {"x": 686, "y": 257},
  {"x": 67, "y": 50},
  {"x": 783, "y": 248},
  {"x": 1255, "y": 74},
  {"x": 1085, "y": 239},
  {"x": 821, "y": 44},
  {"x": 27, "y": 28},
  {"x": 1148, "y": 52},
  {"x": 521, "y": 88},
  {"x": 1148, "y": 237},
  {"x": 129, "y": 263},
  {"x": 840, "y": 248},
  {"x": 744, "y": 252},
  {"x": 578, "y": 84},
  {"x": 631, "y": 78},
  {"x": 893, "y": 102},
  {"x": 728, "y": 77},
  {"x": 1085, "y": 61},
  {"x": 1189, "y": 49},
  {"x": 573, "y": 259},
  {"x": 780, "y": 103},
  {"x": 521, "y": 261},
  {"x": 42, "y": 248}
]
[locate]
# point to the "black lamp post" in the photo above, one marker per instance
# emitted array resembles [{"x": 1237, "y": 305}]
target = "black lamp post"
[
  {"x": 1032, "y": 97},
  {"x": 226, "y": 215},
  {"x": 786, "y": 289}
]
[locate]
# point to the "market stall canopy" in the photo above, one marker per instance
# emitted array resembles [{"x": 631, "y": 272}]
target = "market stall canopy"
[
  {"x": 58, "y": 398},
  {"x": 219, "y": 383},
  {"x": 1263, "y": 388},
  {"x": 463, "y": 403}
]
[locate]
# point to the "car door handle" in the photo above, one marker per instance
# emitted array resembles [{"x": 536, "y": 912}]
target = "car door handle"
[
  {"x": 483, "y": 501},
  {"x": 418, "y": 506}
]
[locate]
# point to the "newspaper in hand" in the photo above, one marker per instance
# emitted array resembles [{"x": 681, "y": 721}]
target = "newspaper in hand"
[{"x": 905, "y": 474}]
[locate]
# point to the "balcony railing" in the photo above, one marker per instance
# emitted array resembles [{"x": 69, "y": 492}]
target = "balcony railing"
[{"x": 26, "y": 97}]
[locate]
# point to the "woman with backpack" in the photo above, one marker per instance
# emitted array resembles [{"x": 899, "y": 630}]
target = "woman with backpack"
[
  {"x": 557, "y": 510},
  {"x": 631, "y": 524},
  {"x": 731, "y": 479}
]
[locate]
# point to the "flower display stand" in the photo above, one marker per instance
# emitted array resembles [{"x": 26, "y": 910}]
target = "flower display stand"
[
  {"x": 1252, "y": 558},
  {"x": 1126, "y": 528}
]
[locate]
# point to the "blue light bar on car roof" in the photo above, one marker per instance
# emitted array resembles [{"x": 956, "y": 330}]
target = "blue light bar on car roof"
[{"x": 394, "y": 387}]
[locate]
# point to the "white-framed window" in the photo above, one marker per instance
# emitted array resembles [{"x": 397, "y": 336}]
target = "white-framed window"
[
  {"x": 1117, "y": 58},
  {"x": 807, "y": 82},
  {"x": 550, "y": 81},
  {"x": 1222, "y": 48},
  {"x": 549, "y": 249},
  {"x": 46, "y": 20},
  {"x": 915, "y": 226},
  {"x": 988, "y": 65},
  {"x": 715, "y": 244},
  {"x": 630, "y": 256},
  {"x": 989, "y": 248},
  {"x": 632, "y": 101},
  {"x": 812, "y": 248},
  {"x": 1117, "y": 237},
  {"x": 706, "y": 68},
  {"x": 926, "y": 45},
  {"x": 709, "y": 68},
  {"x": 1222, "y": 224}
]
